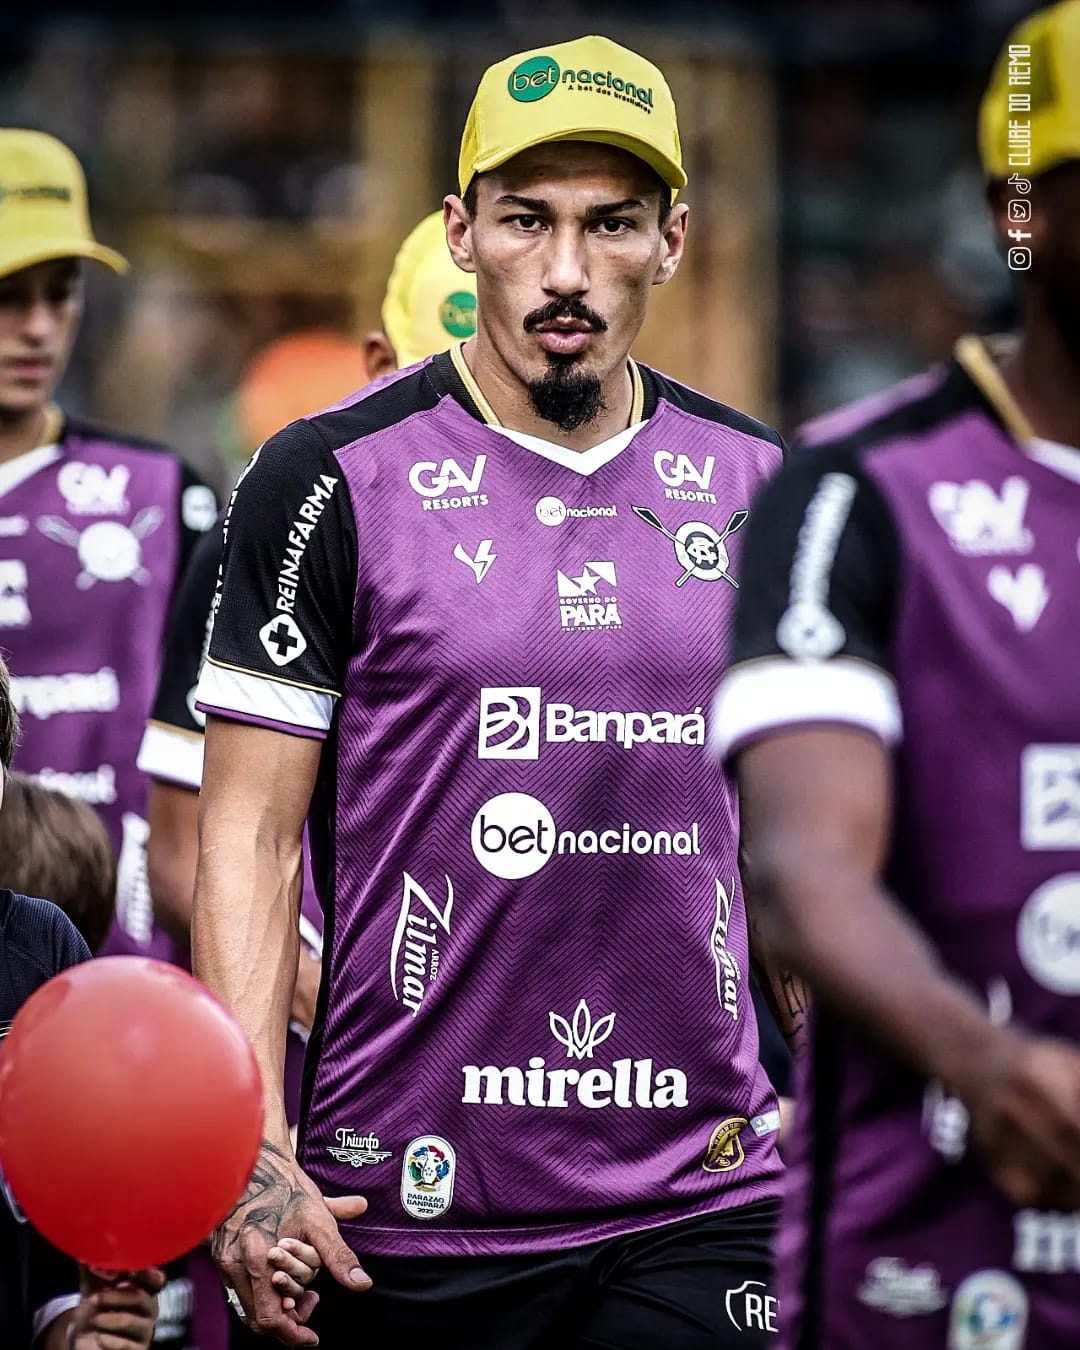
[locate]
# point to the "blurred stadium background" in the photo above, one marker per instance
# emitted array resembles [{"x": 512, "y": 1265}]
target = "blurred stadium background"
[{"x": 260, "y": 162}]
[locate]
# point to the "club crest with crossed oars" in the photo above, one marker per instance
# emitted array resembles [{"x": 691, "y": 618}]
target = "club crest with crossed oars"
[{"x": 698, "y": 547}]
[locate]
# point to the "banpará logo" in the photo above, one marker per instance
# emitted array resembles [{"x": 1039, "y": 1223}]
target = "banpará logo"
[
  {"x": 433, "y": 479},
  {"x": 514, "y": 836},
  {"x": 628, "y": 1083},
  {"x": 42, "y": 696},
  {"x": 510, "y": 725},
  {"x": 725, "y": 1151},
  {"x": 457, "y": 314},
  {"x": 538, "y": 76}
]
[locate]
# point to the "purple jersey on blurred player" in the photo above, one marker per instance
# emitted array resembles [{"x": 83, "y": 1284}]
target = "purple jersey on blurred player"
[
  {"x": 537, "y": 1030},
  {"x": 172, "y": 747},
  {"x": 914, "y": 575},
  {"x": 95, "y": 528}
]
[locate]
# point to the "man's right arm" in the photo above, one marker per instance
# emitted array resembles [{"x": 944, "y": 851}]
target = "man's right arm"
[{"x": 280, "y": 642}]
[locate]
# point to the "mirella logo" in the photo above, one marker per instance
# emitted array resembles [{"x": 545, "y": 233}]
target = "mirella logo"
[{"x": 514, "y": 835}]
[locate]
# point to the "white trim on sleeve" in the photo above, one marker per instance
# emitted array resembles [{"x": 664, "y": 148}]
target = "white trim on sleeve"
[
  {"x": 47, "y": 1314},
  {"x": 775, "y": 692},
  {"x": 258, "y": 697},
  {"x": 171, "y": 755}
]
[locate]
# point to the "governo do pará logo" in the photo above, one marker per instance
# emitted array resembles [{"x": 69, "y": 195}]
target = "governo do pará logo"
[{"x": 533, "y": 79}]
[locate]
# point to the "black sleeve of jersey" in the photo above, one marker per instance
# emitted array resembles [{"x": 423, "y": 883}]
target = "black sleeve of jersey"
[
  {"x": 198, "y": 511},
  {"x": 283, "y": 612},
  {"x": 187, "y": 635},
  {"x": 820, "y": 566}
]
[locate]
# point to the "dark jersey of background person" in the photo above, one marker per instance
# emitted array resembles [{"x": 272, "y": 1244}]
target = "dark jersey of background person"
[
  {"x": 914, "y": 574},
  {"x": 470, "y": 617},
  {"x": 172, "y": 748},
  {"x": 95, "y": 530},
  {"x": 37, "y": 941}
]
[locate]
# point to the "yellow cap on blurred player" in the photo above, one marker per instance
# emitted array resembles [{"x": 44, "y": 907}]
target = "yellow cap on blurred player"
[
  {"x": 590, "y": 89},
  {"x": 1029, "y": 120},
  {"x": 430, "y": 304},
  {"x": 43, "y": 211}
]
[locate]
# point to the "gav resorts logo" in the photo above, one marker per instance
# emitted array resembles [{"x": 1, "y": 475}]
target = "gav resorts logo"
[
  {"x": 457, "y": 314},
  {"x": 536, "y": 77}
]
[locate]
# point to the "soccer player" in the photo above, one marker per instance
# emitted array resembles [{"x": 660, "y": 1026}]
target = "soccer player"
[
  {"x": 94, "y": 529},
  {"x": 904, "y": 712},
  {"x": 470, "y": 619},
  {"x": 45, "y": 1299}
]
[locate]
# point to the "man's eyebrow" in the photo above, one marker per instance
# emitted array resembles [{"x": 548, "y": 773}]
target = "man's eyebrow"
[
  {"x": 536, "y": 205},
  {"x": 614, "y": 208}
]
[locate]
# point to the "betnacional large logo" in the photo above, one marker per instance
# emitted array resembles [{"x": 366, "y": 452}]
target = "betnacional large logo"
[{"x": 514, "y": 835}]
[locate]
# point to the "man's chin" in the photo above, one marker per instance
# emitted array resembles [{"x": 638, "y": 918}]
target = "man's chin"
[{"x": 16, "y": 400}]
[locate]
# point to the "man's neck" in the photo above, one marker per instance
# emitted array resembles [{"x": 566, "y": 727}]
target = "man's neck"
[
  {"x": 1043, "y": 376},
  {"x": 509, "y": 400},
  {"x": 23, "y": 432}
]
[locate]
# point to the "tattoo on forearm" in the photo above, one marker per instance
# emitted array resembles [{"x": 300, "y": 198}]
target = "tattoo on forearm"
[
  {"x": 795, "y": 1006},
  {"x": 263, "y": 1207}
]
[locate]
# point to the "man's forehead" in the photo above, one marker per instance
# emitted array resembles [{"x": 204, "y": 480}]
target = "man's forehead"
[{"x": 574, "y": 166}]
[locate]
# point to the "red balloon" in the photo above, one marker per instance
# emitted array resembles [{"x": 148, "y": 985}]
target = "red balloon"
[{"x": 130, "y": 1112}]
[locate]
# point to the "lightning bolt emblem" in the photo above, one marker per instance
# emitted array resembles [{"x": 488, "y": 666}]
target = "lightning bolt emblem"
[{"x": 480, "y": 563}]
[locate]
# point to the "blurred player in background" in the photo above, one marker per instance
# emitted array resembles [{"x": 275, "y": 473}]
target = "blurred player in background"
[
  {"x": 95, "y": 528},
  {"x": 441, "y": 604},
  {"x": 429, "y": 303},
  {"x": 46, "y": 1300},
  {"x": 904, "y": 710}
]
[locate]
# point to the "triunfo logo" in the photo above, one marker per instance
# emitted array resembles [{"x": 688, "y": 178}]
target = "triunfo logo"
[
  {"x": 434, "y": 480},
  {"x": 358, "y": 1150},
  {"x": 514, "y": 835},
  {"x": 512, "y": 720},
  {"x": 535, "y": 78},
  {"x": 457, "y": 314},
  {"x": 628, "y": 1083}
]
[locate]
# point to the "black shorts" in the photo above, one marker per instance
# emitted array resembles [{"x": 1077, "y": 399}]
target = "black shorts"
[{"x": 702, "y": 1284}]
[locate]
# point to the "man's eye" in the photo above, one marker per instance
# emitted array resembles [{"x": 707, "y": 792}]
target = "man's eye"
[
  {"x": 528, "y": 222},
  {"x": 613, "y": 226}
]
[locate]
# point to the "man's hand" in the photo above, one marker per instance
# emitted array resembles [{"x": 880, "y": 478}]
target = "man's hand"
[
  {"x": 115, "y": 1314},
  {"x": 281, "y": 1201},
  {"x": 1024, "y": 1099}
]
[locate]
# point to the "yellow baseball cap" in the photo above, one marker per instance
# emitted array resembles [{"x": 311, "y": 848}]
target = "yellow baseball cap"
[
  {"x": 1029, "y": 120},
  {"x": 43, "y": 211},
  {"x": 430, "y": 304},
  {"x": 590, "y": 89}
]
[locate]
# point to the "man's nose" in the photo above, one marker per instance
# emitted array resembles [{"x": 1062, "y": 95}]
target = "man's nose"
[{"x": 566, "y": 272}]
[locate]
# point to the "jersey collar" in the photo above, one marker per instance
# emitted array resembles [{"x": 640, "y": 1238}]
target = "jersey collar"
[
  {"x": 451, "y": 374},
  {"x": 47, "y": 451}
]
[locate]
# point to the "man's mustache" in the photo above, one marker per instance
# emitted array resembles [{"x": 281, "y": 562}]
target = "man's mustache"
[{"x": 565, "y": 309}]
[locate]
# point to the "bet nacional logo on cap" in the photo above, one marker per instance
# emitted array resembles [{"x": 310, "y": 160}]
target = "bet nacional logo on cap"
[
  {"x": 429, "y": 303},
  {"x": 590, "y": 89}
]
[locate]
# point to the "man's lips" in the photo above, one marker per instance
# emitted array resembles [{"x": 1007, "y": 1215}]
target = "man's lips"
[
  {"x": 564, "y": 337},
  {"x": 27, "y": 368}
]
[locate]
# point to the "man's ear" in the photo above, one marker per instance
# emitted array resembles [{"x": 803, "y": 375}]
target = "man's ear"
[
  {"x": 673, "y": 235},
  {"x": 379, "y": 355},
  {"x": 458, "y": 232}
]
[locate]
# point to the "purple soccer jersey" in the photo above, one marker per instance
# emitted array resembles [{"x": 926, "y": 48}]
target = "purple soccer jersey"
[
  {"x": 538, "y": 1029},
  {"x": 172, "y": 747},
  {"x": 94, "y": 531},
  {"x": 915, "y": 574}
]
